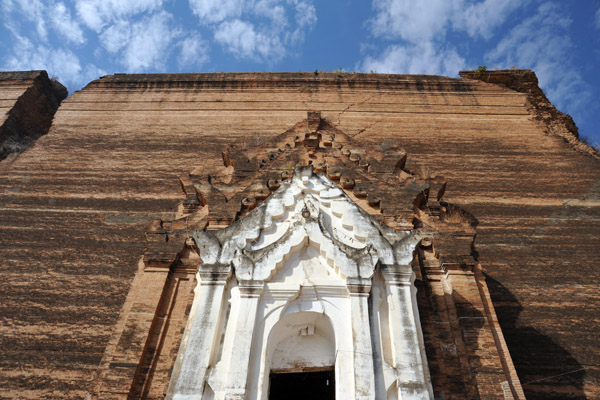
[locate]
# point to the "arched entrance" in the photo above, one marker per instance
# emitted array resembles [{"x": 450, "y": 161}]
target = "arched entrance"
[{"x": 302, "y": 353}]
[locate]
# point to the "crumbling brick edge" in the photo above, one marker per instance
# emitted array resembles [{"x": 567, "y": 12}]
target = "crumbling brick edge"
[{"x": 526, "y": 81}]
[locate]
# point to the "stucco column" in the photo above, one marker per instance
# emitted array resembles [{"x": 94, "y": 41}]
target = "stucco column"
[
  {"x": 409, "y": 352},
  {"x": 239, "y": 364},
  {"x": 364, "y": 372},
  {"x": 200, "y": 337}
]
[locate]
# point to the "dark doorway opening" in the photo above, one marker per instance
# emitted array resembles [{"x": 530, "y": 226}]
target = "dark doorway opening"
[{"x": 302, "y": 385}]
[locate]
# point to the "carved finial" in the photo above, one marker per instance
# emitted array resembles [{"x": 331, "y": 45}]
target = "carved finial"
[{"x": 313, "y": 119}]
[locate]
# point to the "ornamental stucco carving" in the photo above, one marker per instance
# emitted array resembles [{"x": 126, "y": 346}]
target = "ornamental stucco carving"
[{"x": 305, "y": 280}]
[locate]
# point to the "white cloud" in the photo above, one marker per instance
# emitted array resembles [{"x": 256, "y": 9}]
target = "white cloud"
[
  {"x": 597, "y": 21},
  {"x": 96, "y": 14},
  {"x": 541, "y": 42},
  {"x": 143, "y": 45},
  {"x": 214, "y": 11},
  {"x": 417, "y": 31},
  {"x": 242, "y": 40},
  {"x": 306, "y": 14},
  {"x": 32, "y": 49},
  {"x": 7, "y": 6},
  {"x": 260, "y": 30},
  {"x": 60, "y": 16},
  {"x": 306, "y": 19},
  {"x": 116, "y": 36},
  {"x": 415, "y": 22},
  {"x": 480, "y": 19},
  {"x": 91, "y": 72},
  {"x": 59, "y": 62},
  {"x": 32, "y": 10},
  {"x": 149, "y": 47},
  {"x": 29, "y": 56},
  {"x": 194, "y": 51},
  {"x": 272, "y": 10},
  {"x": 426, "y": 20},
  {"x": 415, "y": 59}
]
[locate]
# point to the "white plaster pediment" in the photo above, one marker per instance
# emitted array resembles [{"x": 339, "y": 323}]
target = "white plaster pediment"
[{"x": 310, "y": 211}]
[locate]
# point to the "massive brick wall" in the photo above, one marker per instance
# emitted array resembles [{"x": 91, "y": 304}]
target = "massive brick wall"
[{"x": 74, "y": 207}]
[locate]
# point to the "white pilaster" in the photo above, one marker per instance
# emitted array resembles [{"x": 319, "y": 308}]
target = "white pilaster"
[
  {"x": 237, "y": 377},
  {"x": 364, "y": 372},
  {"x": 408, "y": 351},
  {"x": 200, "y": 338}
]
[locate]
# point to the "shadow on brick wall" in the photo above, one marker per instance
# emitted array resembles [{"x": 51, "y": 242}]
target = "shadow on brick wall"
[
  {"x": 547, "y": 371},
  {"x": 450, "y": 363}
]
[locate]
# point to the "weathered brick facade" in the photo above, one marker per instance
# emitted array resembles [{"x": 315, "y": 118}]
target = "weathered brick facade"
[{"x": 83, "y": 313}]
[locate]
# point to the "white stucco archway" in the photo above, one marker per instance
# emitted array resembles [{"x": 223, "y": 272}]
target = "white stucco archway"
[{"x": 304, "y": 257}]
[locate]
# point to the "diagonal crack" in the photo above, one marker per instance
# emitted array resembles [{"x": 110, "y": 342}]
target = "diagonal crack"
[
  {"x": 339, "y": 117},
  {"x": 341, "y": 113},
  {"x": 369, "y": 126}
]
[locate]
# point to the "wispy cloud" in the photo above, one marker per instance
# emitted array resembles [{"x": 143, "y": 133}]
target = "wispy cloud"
[
  {"x": 214, "y": 11},
  {"x": 260, "y": 30},
  {"x": 32, "y": 10},
  {"x": 306, "y": 18},
  {"x": 428, "y": 20},
  {"x": 65, "y": 25},
  {"x": 481, "y": 19},
  {"x": 137, "y": 36},
  {"x": 142, "y": 45},
  {"x": 32, "y": 49},
  {"x": 242, "y": 40},
  {"x": 306, "y": 14},
  {"x": 141, "y": 35},
  {"x": 194, "y": 51},
  {"x": 416, "y": 32},
  {"x": 272, "y": 10},
  {"x": 409, "y": 20},
  {"x": 420, "y": 58},
  {"x": 597, "y": 20},
  {"x": 61, "y": 62},
  {"x": 542, "y": 43},
  {"x": 96, "y": 14}
]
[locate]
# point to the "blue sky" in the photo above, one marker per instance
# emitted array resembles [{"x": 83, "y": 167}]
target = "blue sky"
[{"x": 80, "y": 40}]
